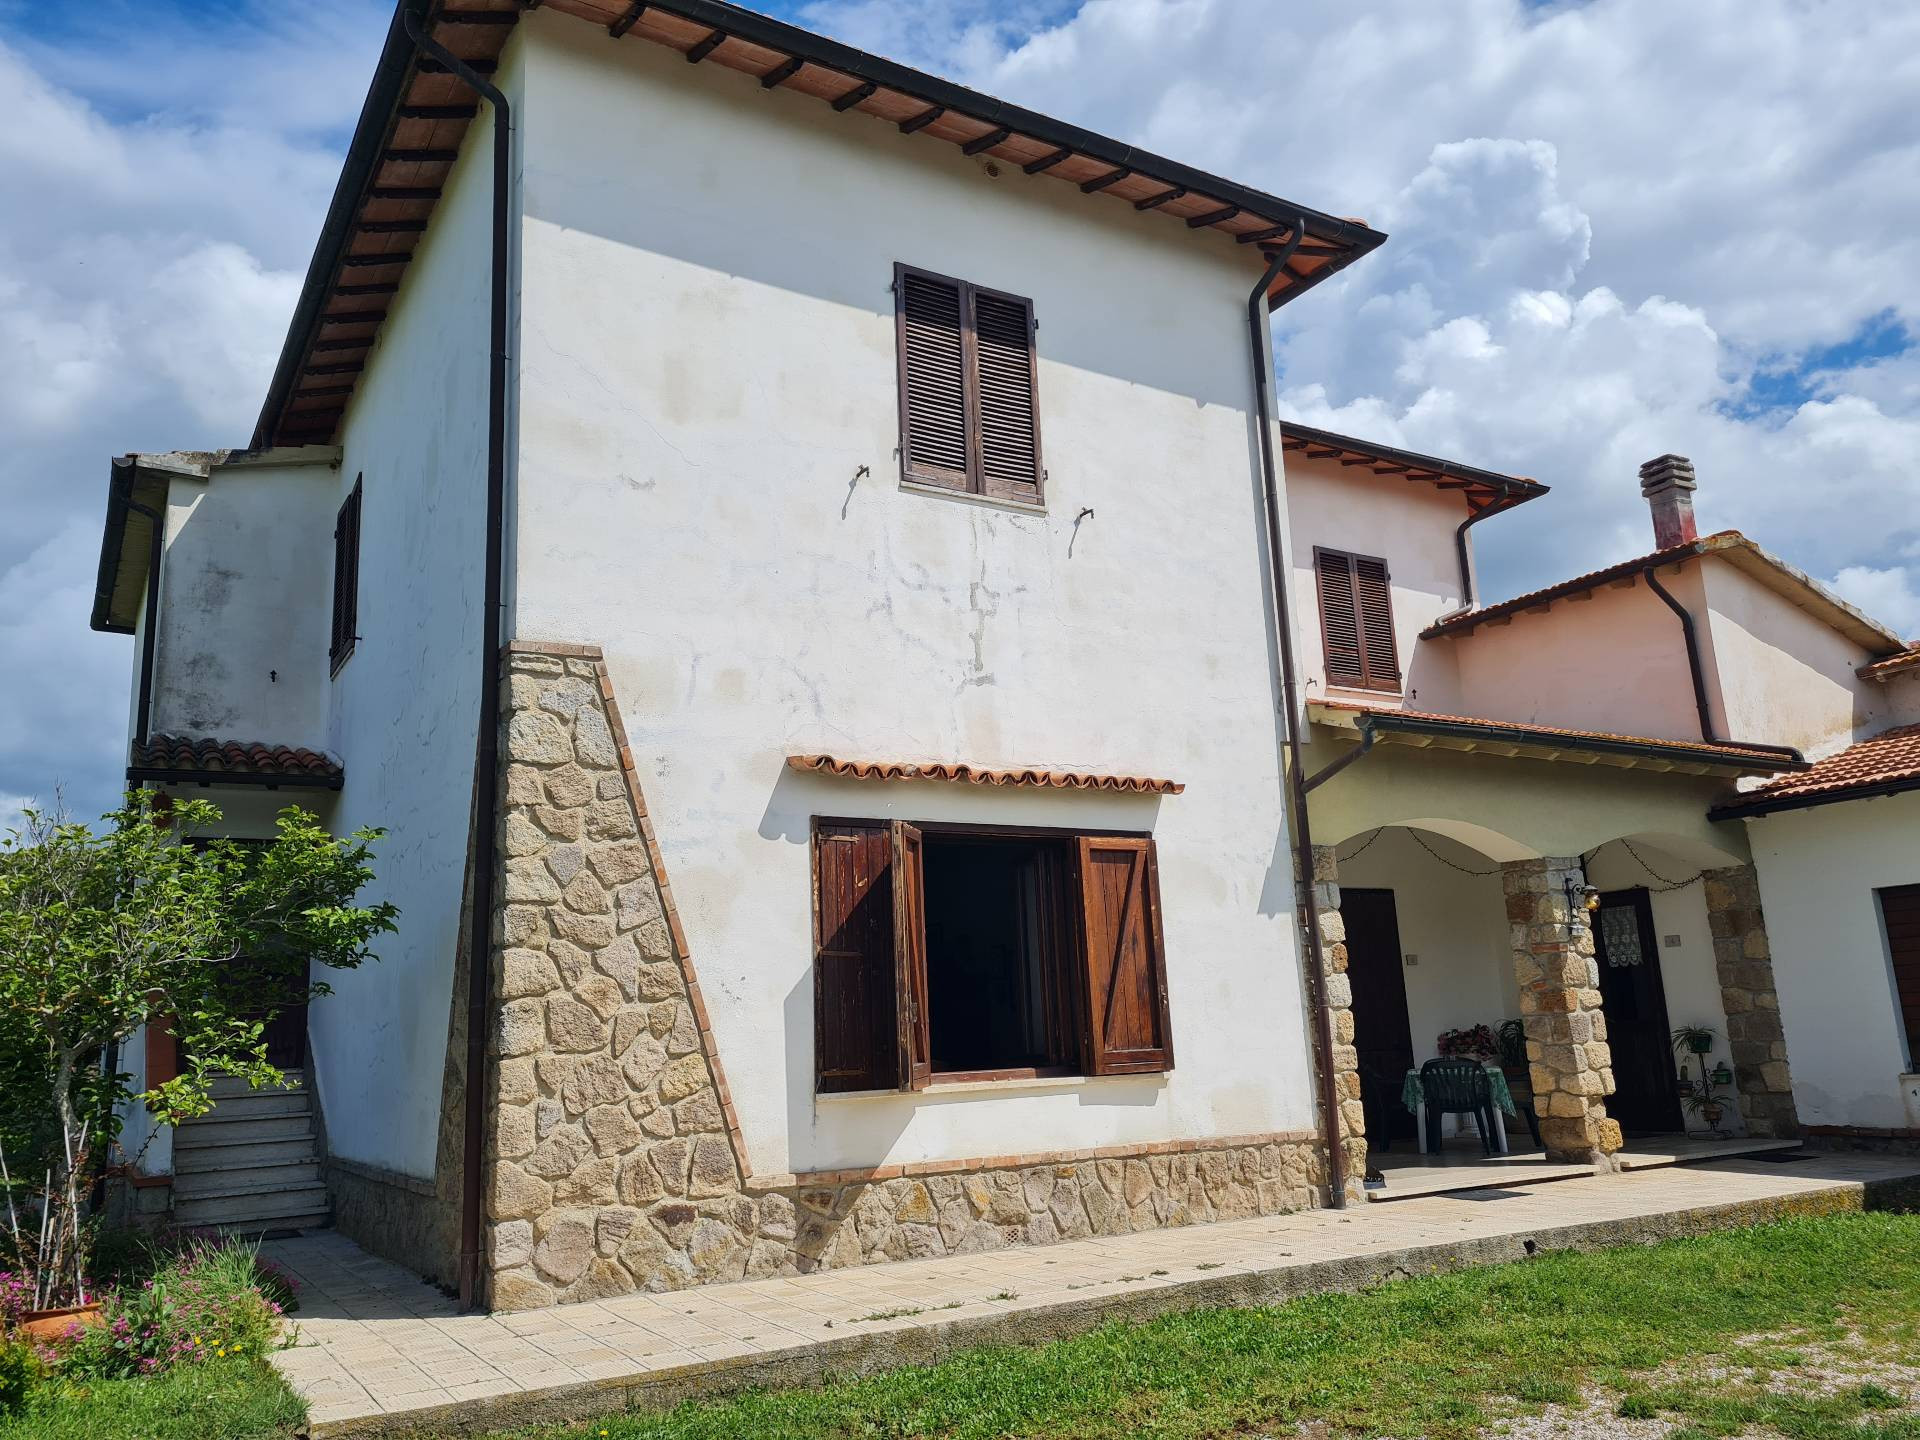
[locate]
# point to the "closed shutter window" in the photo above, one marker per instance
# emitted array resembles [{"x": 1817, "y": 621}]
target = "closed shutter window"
[
  {"x": 1126, "y": 990},
  {"x": 346, "y": 578},
  {"x": 1356, "y": 620},
  {"x": 969, "y": 406}
]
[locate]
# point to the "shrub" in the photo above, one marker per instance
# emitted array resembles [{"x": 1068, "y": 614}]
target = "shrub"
[
  {"x": 209, "y": 1302},
  {"x": 20, "y": 1368}
]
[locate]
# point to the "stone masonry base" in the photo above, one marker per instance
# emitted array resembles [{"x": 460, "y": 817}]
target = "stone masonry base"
[{"x": 615, "y": 1158}]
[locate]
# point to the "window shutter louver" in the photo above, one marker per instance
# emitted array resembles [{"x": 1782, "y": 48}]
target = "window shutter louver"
[
  {"x": 910, "y": 957},
  {"x": 1126, "y": 991},
  {"x": 969, "y": 406},
  {"x": 1339, "y": 619},
  {"x": 1356, "y": 620},
  {"x": 1375, "y": 595},
  {"x": 933, "y": 401},
  {"x": 855, "y": 1039},
  {"x": 1009, "y": 432}
]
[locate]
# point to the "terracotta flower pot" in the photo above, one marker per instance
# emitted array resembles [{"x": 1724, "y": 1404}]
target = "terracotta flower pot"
[{"x": 54, "y": 1324}]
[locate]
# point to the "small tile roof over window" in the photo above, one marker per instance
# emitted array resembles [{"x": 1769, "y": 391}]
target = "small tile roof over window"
[
  {"x": 1483, "y": 489},
  {"x": 208, "y": 762},
  {"x": 1885, "y": 765},
  {"x": 978, "y": 775}
]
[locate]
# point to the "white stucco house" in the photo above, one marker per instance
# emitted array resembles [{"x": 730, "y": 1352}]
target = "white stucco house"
[
  {"x": 870, "y": 860},
  {"x": 796, "y": 555}
]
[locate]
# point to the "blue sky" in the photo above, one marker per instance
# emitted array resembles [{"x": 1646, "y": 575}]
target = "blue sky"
[{"x": 1618, "y": 228}]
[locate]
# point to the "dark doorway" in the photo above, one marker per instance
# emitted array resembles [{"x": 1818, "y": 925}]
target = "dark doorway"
[
  {"x": 997, "y": 996},
  {"x": 1382, "y": 1032},
  {"x": 1645, "y": 1099}
]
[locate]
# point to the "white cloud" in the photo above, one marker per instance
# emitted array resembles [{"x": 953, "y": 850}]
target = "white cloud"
[{"x": 1889, "y": 595}]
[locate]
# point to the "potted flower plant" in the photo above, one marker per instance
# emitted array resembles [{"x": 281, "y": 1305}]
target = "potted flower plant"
[
  {"x": 1474, "y": 1042},
  {"x": 1697, "y": 1039}
]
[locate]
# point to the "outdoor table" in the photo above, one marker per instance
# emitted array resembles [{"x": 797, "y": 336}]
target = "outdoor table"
[{"x": 1413, "y": 1095}]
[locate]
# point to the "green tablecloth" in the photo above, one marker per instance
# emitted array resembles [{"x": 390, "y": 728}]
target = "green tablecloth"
[{"x": 1413, "y": 1095}]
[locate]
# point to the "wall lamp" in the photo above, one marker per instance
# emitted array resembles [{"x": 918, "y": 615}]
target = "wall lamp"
[{"x": 1581, "y": 897}]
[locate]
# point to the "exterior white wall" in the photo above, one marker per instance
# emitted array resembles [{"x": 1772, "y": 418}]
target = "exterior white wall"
[
  {"x": 241, "y": 652},
  {"x": 1819, "y": 869},
  {"x": 1779, "y": 675},
  {"x": 402, "y": 711},
  {"x": 1411, "y": 527},
  {"x": 709, "y": 490}
]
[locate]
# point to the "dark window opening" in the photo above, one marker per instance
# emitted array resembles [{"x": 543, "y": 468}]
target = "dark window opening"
[
  {"x": 995, "y": 931},
  {"x": 1900, "y": 913}
]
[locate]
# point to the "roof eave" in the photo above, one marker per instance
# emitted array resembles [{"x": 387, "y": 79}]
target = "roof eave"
[
  {"x": 1753, "y": 809},
  {"x": 1386, "y": 724},
  {"x": 1512, "y": 489}
]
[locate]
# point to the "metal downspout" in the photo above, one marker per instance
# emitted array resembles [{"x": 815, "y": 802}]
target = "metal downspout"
[
  {"x": 1469, "y": 592},
  {"x": 1260, "y": 341},
  {"x": 487, "y": 750},
  {"x": 1694, "y": 667}
]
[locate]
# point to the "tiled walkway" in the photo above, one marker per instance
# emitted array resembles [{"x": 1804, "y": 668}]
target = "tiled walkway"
[{"x": 382, "y": 1352}]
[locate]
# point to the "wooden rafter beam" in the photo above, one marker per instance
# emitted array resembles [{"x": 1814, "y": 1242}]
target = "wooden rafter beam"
[
  {"x": 854, "y": 96},
  {"x": 1047, "y": 162},
  {"x": 1154, "y": 202},
  {"x": 987, "y": 141},
  {"x": 628, "y": 19},
  {"x": 1101, "y": 182},
  {"x": 706, "y": 47},
  {"x": 781, "y": 73},
  {"x": 1213, "y": 217},
  {"x": 925, "y": 118}
]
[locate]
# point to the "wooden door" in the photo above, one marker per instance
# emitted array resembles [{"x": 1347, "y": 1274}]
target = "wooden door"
[
  {"x": 1900, "y": 911},
  {"x": 1382, "y": 1032},
  {"x": 1645, "y": 1099}
]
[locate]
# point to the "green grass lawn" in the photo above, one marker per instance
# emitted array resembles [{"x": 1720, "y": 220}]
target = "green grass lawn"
[
  {"x": 224, "y": 1400},
  {"x": 1715, "y": 1334}
]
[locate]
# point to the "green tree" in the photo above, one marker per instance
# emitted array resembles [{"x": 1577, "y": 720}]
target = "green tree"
[{"x": 150, "y": 920}]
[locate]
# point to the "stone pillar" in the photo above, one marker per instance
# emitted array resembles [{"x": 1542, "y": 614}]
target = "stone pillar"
[
  {"x": 1339, "y": 999},
  {"x": 1754, "y": 1033},
  {"x": 1567, "y": 1047}
]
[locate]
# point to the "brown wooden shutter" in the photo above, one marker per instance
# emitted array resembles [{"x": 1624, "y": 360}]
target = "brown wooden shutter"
[
  {"x": 1008, "y": 401},
  {"x": 1339, "y": 618},
  {"x": 1900, "y": 910},
  {"x": 934, "y": 408},
  {"x": 1375, "y": 594},
  {"x": 910, "y": 957},
  {"x": 346, "y": 577},
  {"x": 1356, "y": 620},
  {"x": 1126, "y": 990},
  {"x": 855, "y": 1035}
]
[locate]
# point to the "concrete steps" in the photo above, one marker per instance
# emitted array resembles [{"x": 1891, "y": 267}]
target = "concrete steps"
[{"x": 252, "y": 1163}]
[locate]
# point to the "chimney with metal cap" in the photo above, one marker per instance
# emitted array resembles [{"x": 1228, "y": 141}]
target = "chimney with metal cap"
[{"x": 1668, "y": 485}]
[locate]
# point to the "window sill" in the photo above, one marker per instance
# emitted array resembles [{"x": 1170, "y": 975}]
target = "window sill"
[
  {"x": 967, "y": 497},
  {"x": 996, "y": 1087}
]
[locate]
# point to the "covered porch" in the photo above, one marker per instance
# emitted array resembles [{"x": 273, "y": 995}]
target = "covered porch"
[{"x": 1556, "y": 911}]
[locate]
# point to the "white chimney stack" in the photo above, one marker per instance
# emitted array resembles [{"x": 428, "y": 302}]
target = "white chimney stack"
[{"x": 1668, "y": 485}]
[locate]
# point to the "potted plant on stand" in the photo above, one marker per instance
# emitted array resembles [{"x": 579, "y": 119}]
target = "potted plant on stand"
[{"x": 1701, "y": 1097}]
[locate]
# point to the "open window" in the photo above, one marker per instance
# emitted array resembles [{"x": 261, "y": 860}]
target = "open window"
[{"x": 949, "y": 953}]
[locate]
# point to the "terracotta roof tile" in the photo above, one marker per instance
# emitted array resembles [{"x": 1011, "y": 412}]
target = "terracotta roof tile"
[
  {"x": 1719, "y": 752},
  {"x": 979, "y": 775},
  {"x": 210, "y": 759},
  {"x": 1578, "y": 585},
  {"x": 1892, "y": 665},
  {"x": 1887, "y": 761}
]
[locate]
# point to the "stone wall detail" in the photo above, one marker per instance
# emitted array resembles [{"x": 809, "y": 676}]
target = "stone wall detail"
[
  {"x": 1339, "y": 1000},
  {"x": 1571, "y": 1064},
  {"x": 615, "y": 1161},
  {"x": 1755, "y": 1036}
]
